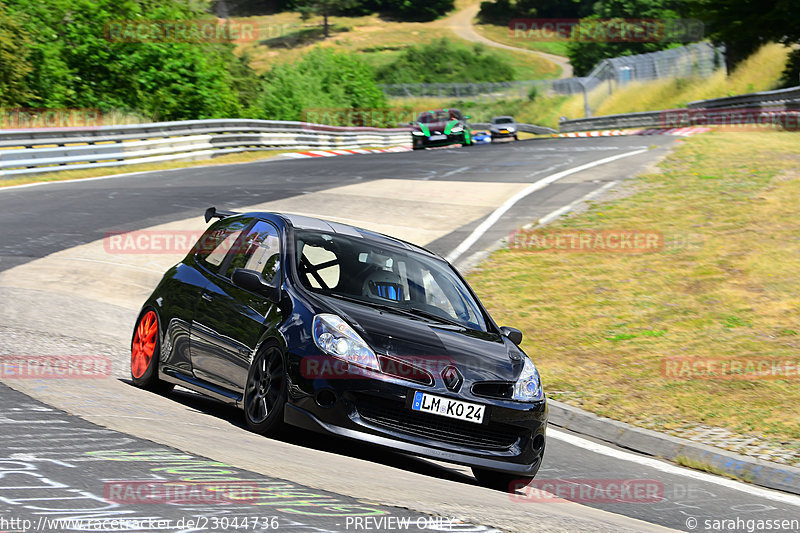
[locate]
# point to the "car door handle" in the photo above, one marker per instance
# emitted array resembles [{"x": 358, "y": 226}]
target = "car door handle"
[{"x": 207, "y": 297}]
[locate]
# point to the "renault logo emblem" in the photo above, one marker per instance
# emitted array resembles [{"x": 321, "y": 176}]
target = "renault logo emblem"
[{"x": 452, "y": 378}]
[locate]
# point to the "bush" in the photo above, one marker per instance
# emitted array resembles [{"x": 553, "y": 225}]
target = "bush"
[
  {"x": 74, "y": 64},
  {"x": 323, "y": 79},
  {"x": 442, "y": 61}
]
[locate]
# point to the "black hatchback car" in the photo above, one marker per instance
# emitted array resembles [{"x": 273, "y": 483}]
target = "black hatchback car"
[{"x": 344, "y": 331}]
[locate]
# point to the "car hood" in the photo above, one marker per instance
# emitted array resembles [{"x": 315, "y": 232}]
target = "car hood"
[
  {"x": 480, "y": 356},
  {"x": 442, "y": 126}
]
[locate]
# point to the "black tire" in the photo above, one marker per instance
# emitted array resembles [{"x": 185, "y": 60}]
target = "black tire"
[
  {"x": 145, "y": 350},
  {"x": 500, "y": 481},
  {"x": 516, "y": 138},
  {"x": 265, "y": 392}
]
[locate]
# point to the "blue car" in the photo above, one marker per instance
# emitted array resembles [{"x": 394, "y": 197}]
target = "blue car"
[{"x": 481, "y": 137}]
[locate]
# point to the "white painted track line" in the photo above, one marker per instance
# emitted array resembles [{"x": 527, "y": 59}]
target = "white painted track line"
[
  {"x": 484, "y": 226},
  {"x": 670, "y": 468}
]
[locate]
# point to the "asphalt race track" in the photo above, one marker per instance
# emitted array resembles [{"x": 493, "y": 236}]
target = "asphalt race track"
[{"x": 62, "y": 297}]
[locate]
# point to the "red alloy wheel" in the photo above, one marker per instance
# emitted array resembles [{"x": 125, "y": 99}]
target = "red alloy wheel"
[{"x": 144, "y": 344}]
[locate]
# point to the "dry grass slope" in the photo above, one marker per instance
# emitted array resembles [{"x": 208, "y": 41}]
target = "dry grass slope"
[{"x": 726, "y": 285}]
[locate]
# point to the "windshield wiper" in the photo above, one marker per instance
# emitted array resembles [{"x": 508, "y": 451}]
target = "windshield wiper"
[
  {"x": 434, "y": 316},
  {"x": 368, "y": 303},
  {"x": 406, "y": 311}
]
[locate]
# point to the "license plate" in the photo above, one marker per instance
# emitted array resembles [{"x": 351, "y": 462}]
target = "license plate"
[
  {"x": 437, "y": 137},
  {"x": 503, "y": 131},
  {"x": 438, "y": 405}
]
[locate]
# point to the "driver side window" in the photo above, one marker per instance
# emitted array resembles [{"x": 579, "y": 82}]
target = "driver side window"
[{"x": 319, "y": 267}]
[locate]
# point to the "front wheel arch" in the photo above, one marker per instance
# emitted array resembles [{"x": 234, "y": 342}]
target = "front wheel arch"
[
  {"x": 144, "y": 365},
  {"x": 262, "y": 404}
]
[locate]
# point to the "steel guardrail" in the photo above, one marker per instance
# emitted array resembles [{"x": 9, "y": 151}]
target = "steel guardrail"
[
  {"x": 525, "y": 128},
  {"x": 767, "y": 107},
  {"x": 35, "y": 151}
]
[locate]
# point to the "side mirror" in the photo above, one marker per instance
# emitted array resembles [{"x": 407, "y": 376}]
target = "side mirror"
[
  {"x": 253, "y": 281},
  {"x": 513, "y": 334}
]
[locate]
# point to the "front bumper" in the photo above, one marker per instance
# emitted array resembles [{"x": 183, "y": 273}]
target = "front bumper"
[
  {"x": 511, "y": 439},
  {"x": 502, "y": 135},
  {"x": 423, "y": 141}
]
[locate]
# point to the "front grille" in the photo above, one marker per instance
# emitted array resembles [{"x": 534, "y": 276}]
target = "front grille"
[{"x": 395, "y": 416}]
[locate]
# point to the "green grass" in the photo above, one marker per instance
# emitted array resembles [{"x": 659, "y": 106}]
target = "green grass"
[
  {"x": 502, "y": 34},
  {"x": 286, "y": 37},
  {"x": 761, "y": 72},
  {"x": 725, "y": 285}
]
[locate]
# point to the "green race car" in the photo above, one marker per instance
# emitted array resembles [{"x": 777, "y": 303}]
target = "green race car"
[{"x": 440, "y": 127}]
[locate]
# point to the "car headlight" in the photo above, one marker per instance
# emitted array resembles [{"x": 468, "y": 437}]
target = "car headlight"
[
  {"x": 457, "y": 129},
  {"x": 417, "y": 133},
  {"x": 512, "y": 129},
  {"x": 335, "y": 337},
  {"x": 528, "y": 387}
]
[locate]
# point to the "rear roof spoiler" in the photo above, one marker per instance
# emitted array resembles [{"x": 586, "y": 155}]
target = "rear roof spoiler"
[{"x": 212, "y": 212}]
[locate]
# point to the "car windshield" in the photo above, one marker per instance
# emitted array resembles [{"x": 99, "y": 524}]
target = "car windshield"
[
  {"x": 385, "y": 276},
  {"x": 441, "y": 115},
  {"x": 503, "y": 120}
]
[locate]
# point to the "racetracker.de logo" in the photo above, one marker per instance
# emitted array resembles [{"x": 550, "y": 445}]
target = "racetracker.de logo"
[
  {"x": 587, "y": 241},
  {"x": 615, "y": 30},
  {"x": 421, "y": 369},
  {"x": 730, "y": 368},
  {"x": 732, "y": 118},
  {"x": 151, "y": 242},
  {"x": 55, "y": 366},
  {"x": 211, "y": 30},
  {"x": 180, "y": 492},
  {"x": 587, "y": 491},
  {"x": 34, "y": 118}
]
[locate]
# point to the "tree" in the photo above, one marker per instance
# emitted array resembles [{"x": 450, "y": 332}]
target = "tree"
[
  {"x": 584, "y": 54},
  {"x": 75, "y": 63},
  {"x": 743, "y": 25},
  {"x": 324, "y": 8},
  {"x": 14, "y": 61}
]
